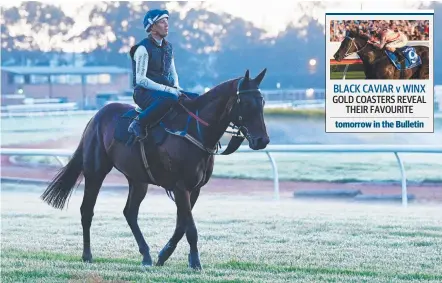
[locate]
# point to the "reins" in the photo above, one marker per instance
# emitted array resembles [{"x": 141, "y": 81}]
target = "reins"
[{"x": 236, "y": 139}]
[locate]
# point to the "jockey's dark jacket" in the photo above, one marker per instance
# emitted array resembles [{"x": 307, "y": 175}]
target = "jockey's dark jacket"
[{"x": 160, "y": 59}]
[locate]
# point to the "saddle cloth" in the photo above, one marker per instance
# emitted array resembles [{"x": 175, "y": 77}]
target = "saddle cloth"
[
  {"x": 154, "y": 131},
  {"x": 412, "y": 58}
]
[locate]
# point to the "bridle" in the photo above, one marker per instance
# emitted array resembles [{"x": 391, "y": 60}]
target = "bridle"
[
  {"x": 235, "y": 123},
  {"x": 352, "y": 39}
]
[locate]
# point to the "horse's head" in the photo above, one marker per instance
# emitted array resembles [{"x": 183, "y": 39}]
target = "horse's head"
[
  {"x": 247, "y": 112},
  {"x": 353, "y": 42}
]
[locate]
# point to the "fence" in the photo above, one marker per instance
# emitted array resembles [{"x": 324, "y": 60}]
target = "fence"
[{"x": 280, "y": 149}]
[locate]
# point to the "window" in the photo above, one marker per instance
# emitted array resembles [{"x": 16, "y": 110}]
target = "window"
[
  {"x": 66, "y": 79},
  {"x": 39, "y": 79},
  {"x": 19, "y": 79},
  {"x": 98, "y": 79}
]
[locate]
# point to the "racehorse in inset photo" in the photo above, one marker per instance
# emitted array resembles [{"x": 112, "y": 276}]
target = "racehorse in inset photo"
[
  {"x": 380, "y": 64},
  {"x": 176, "y": 154}
]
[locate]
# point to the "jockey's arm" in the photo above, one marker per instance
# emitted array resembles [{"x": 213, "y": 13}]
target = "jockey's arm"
[
  {"x": 382, "y": 42},
  {"x": 141, "y": 58},
  {"x": 174, "y": 74}
]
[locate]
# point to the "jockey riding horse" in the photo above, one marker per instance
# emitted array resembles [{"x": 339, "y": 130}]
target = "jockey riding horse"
[
  {"x": 155, "y": 79},
  {"x": 390, "y": 38}
]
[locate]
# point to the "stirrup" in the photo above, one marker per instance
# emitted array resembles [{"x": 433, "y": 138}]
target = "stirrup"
[
  {"x": 142, "y": 128},
  {"x": 142, "y": 138},
  {"x": 137, "y": 138}
]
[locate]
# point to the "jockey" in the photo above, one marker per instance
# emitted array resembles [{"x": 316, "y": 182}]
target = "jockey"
[
  {"x": 390, "y": 39},
  {"x": 155, "y": 79}
]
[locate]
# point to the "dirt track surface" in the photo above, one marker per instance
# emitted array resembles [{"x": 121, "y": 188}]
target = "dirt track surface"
[{"x": 422, "y": 192}]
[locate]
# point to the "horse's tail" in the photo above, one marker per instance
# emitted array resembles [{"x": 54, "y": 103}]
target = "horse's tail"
[{"x": 62, "y": 186}]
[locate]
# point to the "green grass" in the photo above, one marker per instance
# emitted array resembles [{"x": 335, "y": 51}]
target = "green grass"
[
  {"x": 311, "y": 113},
  {"x": 241, "y": 239},
  {"x": 355, "y": 75}
]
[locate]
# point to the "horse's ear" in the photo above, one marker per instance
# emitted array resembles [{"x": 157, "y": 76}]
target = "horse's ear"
[
  {"x": 259, "y": 77},
  {"x": 247, "y": 76}
]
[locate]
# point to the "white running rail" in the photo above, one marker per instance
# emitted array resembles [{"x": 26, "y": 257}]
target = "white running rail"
[{"x": 343, "y": 148}]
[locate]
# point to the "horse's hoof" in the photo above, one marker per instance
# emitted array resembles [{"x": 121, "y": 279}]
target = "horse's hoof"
[
  {"x": 146, "y": 264},
  {"x": 147, "y": 260},
  {"x": 197, "y": 268},
  {"x": 194, "y": 261},
  {"x": 87, "y": 256},
  {"x": 165, "y": 253},
  {"x": 159, "y": 263}
]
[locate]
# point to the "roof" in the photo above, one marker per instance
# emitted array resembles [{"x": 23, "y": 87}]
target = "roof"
[{"x": 48, "y": 70}]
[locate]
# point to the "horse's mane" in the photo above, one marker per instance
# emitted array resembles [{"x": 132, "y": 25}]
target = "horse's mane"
[
  {"x": 364, "y": 37},
  {"x": 224, "y": 87},
  {"x": 356, "y": 34},
  {"x": 378, "y": 52}
]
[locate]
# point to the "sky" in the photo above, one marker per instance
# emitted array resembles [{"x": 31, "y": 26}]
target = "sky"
[{"x": 273, "y": 16}]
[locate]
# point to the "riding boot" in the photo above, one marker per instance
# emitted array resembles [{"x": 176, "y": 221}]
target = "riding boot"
[
  {"x": 136, "y": 128},
  {"x": 401, "y": 61},
  {"x": 401, "y": 57},
  {"x": 149, "y": 116}
]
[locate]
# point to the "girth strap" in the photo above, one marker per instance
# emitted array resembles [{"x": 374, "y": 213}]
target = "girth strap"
[{"x": 146, "y": 164}]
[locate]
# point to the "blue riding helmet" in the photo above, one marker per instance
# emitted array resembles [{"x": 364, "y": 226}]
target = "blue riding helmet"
[{"x": 153, "y": 16}]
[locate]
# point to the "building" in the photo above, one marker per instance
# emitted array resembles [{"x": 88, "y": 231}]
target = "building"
[
  {"x": 83, "y": 85},
  {"x": 293, "y": 94}
]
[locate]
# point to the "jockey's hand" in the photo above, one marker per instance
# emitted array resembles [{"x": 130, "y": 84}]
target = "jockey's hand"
[{"x": 173, "y": 90}]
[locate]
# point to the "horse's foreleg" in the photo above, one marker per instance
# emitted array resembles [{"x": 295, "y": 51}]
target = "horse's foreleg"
[
  {"x": 137, "y": 192},
  {"x": 192, "y": 236},
  {"x": 184, "y": 225}
]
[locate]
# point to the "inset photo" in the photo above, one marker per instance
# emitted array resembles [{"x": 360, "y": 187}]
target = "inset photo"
[{"x": 379, "y": 49}]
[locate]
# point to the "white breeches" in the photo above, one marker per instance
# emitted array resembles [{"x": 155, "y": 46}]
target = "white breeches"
[{"x": 398, "y": 43}]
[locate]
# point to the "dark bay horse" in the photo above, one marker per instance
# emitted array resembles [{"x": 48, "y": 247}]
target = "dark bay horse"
[
  {"x": 180, "y": 165},
  {"x": 376, "y": 63}
]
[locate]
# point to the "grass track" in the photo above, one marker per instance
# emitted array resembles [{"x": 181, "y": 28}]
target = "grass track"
[
  {"x": 355, "y": 75},
  {"x": 241, "y": 239}
]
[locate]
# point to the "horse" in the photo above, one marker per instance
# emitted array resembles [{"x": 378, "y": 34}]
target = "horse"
[
  {"x": 382, "y": 65},
  {"x": 180, "y": 161}
]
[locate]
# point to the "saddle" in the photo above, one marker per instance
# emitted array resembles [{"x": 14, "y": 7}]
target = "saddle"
[
  {"x": 412, "y": 59},
  {"x": 156, "y": 132}
]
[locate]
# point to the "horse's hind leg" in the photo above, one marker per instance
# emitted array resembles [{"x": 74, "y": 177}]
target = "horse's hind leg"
[
  {"x": 137, "y": 192},
  {"x": 96, "y": 166},
  {"x": 92, "y": 187}
]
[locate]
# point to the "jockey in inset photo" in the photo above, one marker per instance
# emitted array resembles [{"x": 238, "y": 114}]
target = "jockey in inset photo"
[{"x": 390, "y": 38}]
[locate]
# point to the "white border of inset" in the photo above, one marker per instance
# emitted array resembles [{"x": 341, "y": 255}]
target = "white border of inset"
[{"x": 370, "y": 15}]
